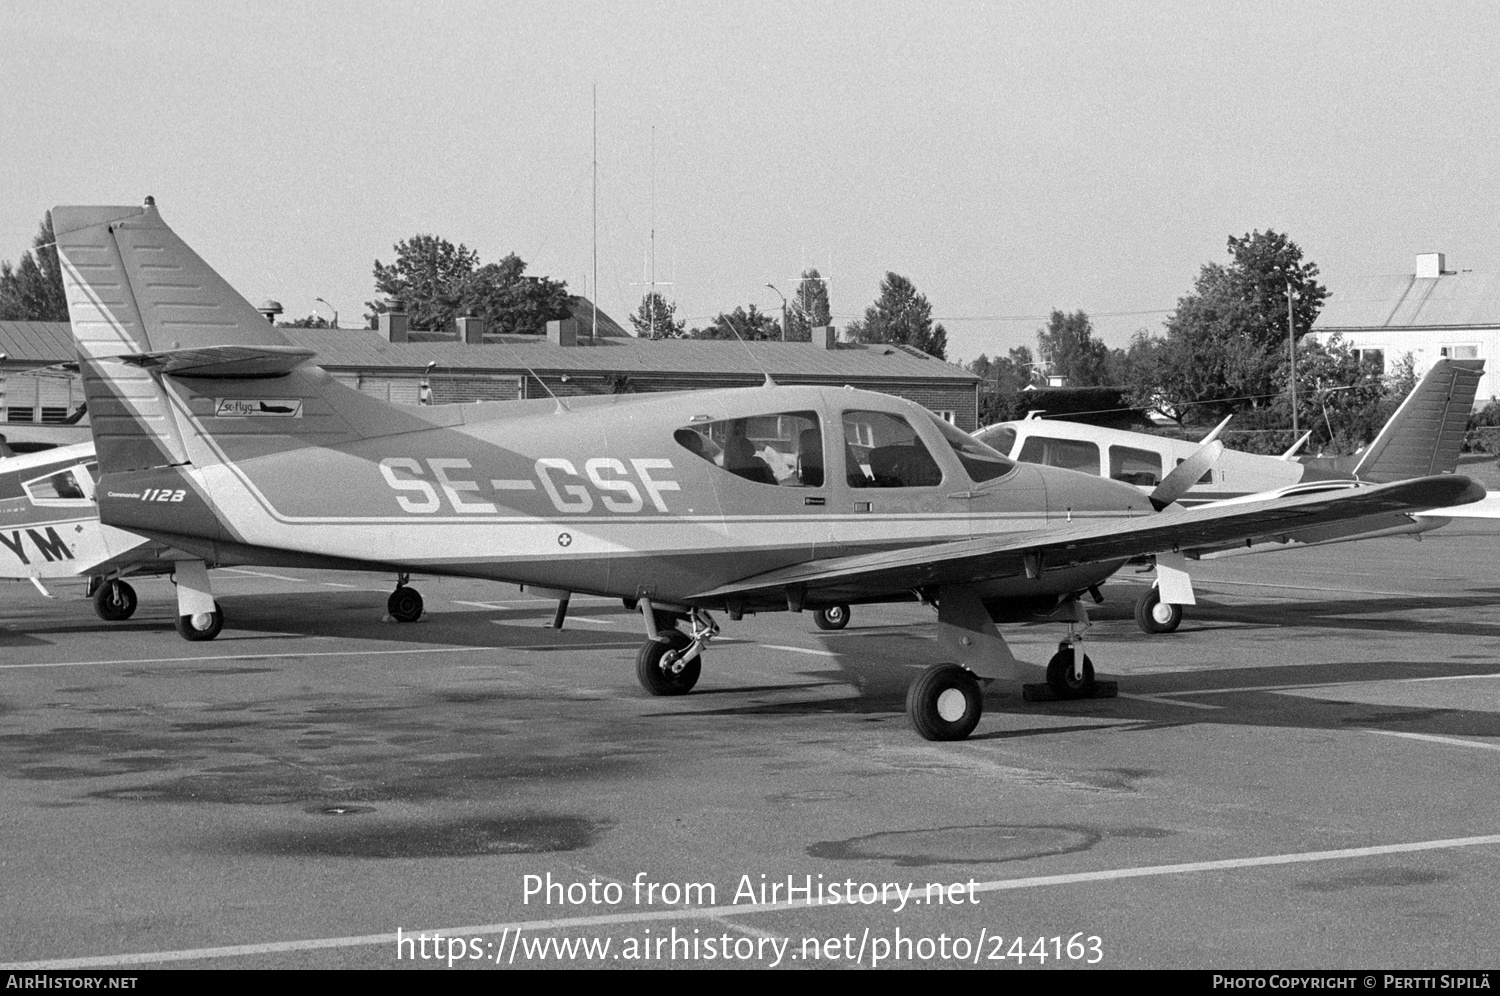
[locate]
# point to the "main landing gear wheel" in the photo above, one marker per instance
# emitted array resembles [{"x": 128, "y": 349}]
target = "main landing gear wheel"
[
  {"x": 945, "y": 703},
  {"x": 203, "y": 626},
  {"x": 831, "y": 617},
  {"x": 1153, "y": 615},
  {"x": 660, "y": 667},
  {"x": 1060, "y": 675},
  {"x": 404, "y": 605},
  {"x": 114, "y": 600}
]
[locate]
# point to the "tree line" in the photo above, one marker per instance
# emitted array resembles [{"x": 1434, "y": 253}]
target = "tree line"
[{"x": 1226, "y": 350}]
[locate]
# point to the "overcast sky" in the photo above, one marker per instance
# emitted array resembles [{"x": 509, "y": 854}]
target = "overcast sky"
[{"x": 1009, "y": 158}]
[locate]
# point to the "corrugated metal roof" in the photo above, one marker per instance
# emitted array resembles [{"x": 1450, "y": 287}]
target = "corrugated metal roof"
[
  {"x": 51, "y": 342},
  {"x": 1407, "y": 301},
  {"x": 36, "y": 342},
  {"x": 628, "y": 355}
]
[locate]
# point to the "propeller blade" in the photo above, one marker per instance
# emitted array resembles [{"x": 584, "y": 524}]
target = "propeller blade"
[{"x": 1187, "y": 473}]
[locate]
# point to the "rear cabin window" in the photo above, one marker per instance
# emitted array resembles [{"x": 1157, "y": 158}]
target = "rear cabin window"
[
  {"x": 979, "y": 461},
  {"x": 1133, "y": 466},
  {"x": 884, "y": 451},
  {"x": 1069, "y": 454},
  {"x": 782, "y": 450}
]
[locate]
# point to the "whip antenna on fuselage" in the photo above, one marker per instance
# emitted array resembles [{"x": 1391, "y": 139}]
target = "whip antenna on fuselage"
[{"x": 758, "y": 365}]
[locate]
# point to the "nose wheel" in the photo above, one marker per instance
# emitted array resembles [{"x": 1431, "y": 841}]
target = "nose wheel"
[
  {"x": 1062, "y": 676},
  {"x": 945, "y": 703},
  {"x": 405, "y": 604}
]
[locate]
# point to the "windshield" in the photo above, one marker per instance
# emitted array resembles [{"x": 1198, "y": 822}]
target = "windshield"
[{"x": 980, "y": 462}]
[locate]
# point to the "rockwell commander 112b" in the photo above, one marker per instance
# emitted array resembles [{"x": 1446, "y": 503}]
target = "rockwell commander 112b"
[{"x": 217, "y": 437}]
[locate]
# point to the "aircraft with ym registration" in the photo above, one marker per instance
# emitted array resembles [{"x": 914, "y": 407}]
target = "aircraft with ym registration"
[
  {"x": 1423, "y": 437},
  {"x": 50, "y": 530},
  {"x": 216, "y": 436}
]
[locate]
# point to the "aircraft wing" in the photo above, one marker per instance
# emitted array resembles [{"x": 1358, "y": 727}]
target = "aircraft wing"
[{"x": 863, "y": 576}]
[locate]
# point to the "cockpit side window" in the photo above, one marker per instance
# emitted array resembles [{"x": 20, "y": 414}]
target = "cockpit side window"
[
  {"x": 1069, "y": 454},
  {"x": 883, "y": 451},
  {"x": 783, "y": 450},
  {"x": 62, "y": 487},
  {"x": 979, "y": 461}
]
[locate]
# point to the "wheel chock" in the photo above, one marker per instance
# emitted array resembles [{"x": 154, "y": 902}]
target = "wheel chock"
[{"x": 1042, "y": 692}]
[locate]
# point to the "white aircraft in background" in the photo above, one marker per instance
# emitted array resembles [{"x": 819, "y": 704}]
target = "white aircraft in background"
[{"x": 1421, "y": 439}]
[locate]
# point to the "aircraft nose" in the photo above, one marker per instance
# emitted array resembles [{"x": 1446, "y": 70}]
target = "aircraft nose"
[{"x": 1071, "y": 493}]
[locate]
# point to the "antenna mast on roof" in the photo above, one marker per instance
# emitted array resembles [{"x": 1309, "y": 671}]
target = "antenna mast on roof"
[{"x": 594, "y": 330}]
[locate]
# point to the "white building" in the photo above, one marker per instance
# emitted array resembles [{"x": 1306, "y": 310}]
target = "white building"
[{"x": 1432, "y": 313}]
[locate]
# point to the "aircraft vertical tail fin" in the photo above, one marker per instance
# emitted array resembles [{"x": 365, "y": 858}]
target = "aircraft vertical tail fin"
[
  {"x": 1426, "y": 433},
  {"x": 143, "y": 304}
]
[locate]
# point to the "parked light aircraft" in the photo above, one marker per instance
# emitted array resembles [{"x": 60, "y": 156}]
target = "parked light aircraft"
[
  {"x": 1423, "y": 437},
  {"x": 50, "y": 530},
  {"x": 216, "y": 436}
]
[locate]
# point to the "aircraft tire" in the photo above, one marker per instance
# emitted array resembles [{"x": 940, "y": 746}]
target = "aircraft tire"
[
  {"x": 1060, "y": 675},
  {"x": 114, "y": 601},
  {"x": 945, "y": 703},
  {"x": 189, "y": 632},
  {"x": 1153, "y": 615},
  {"x": 831, "y": 617},
  {"x": 659, "y": 668},
  {"x": 405, "y": 604}
]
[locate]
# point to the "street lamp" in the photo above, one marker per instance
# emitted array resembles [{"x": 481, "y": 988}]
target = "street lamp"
[
  {"x": 1291, "y": 351},
  {"x": 783, "y": 310},
  {"x": 332, "y": 309}
]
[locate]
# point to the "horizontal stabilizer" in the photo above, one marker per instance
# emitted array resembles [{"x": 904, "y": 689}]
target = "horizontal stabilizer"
[{"x": 230, "y": 362}]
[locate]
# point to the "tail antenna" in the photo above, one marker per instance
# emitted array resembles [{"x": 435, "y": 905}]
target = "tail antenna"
[
  {"x": 561, "y": 405},
  {"x": 758, "y": 365}
]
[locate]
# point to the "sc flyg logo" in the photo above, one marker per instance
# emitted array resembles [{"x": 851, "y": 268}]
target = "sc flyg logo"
[{"x": 607, "y": 479}]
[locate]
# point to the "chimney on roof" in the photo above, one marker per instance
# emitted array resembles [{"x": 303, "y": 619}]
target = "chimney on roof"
[
  {"x": 270, "y": 309},
  {"x": 563, "y": 333},
  {"x": 471, "y": 330},
  {"x": 827, "y": 336},
  {"x": 393, "y": 323},
  {"x": 1430, "y": 265}
]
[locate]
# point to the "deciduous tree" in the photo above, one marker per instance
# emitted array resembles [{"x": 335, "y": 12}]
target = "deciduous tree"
[{"x": 742, "y": 323}]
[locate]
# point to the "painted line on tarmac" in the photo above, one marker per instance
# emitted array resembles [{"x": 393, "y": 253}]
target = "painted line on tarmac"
[
  {"x": 716, "y": 912},
  {"x": 801, "y": 650},
  {"x": 1454, "y": 741},
  {"x": 1322, "y": 684},
  {"x": 1163, "y": 700},
  {"x": 537, "y": 603},
  {"x": 262, "y": 574},
  {"x": 254, "y": 657}
]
